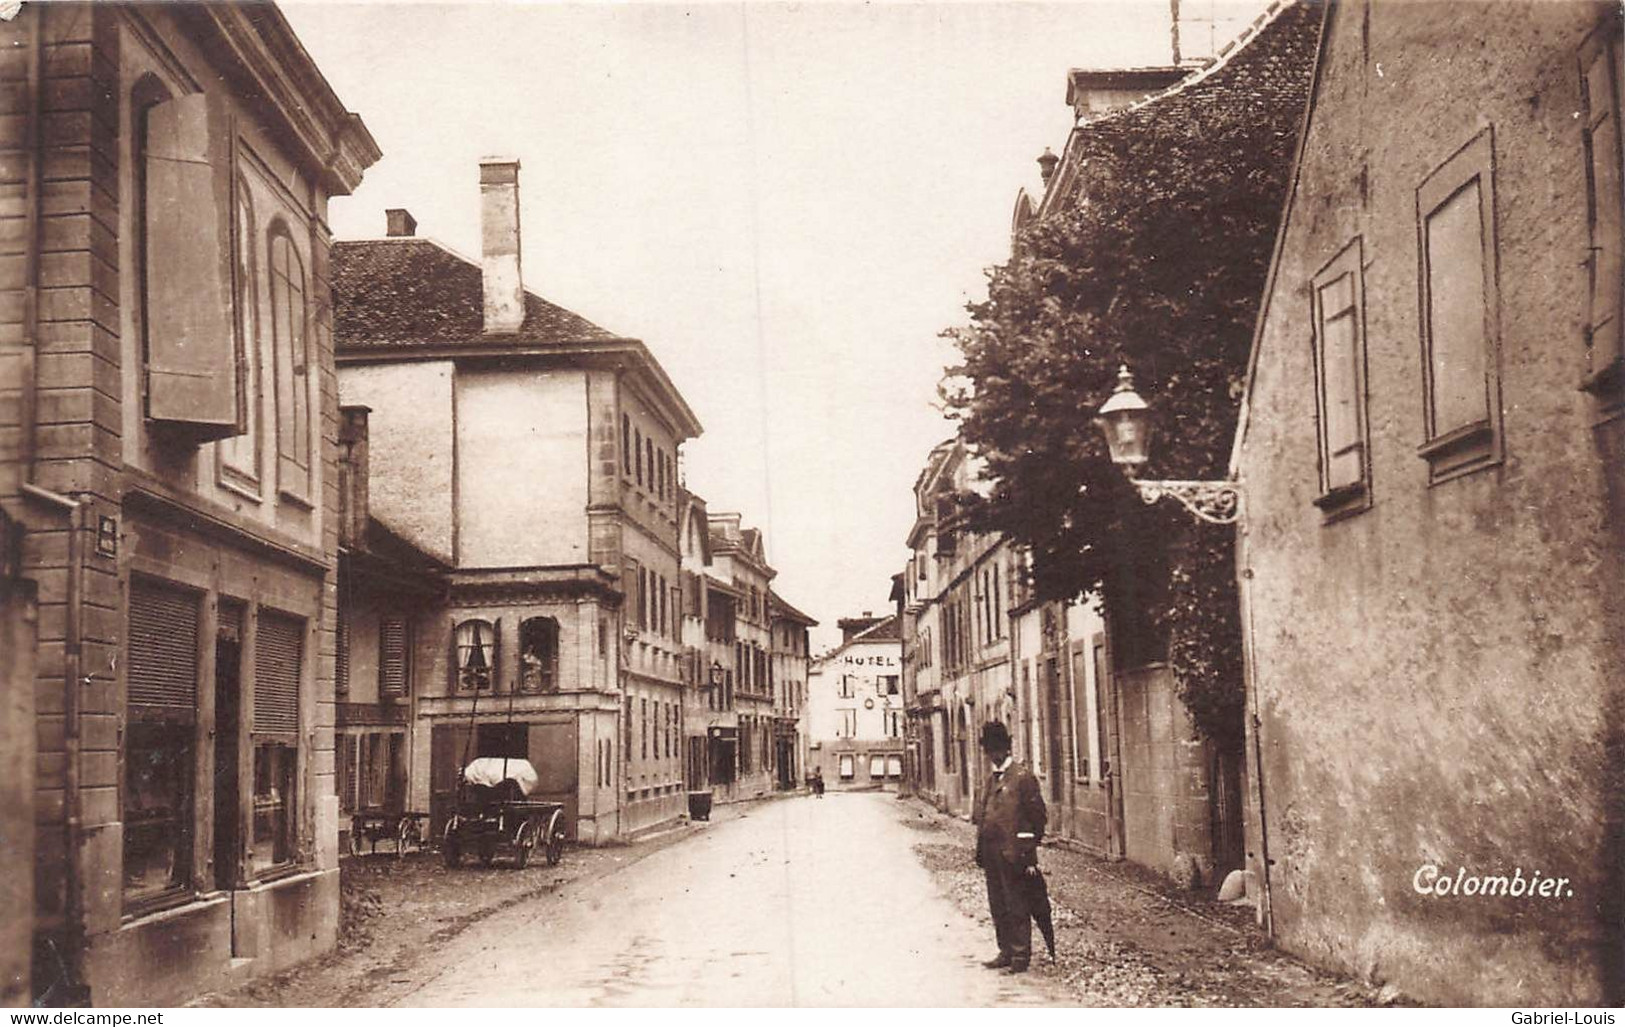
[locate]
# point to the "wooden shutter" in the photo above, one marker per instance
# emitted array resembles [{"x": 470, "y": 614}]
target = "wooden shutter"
[
  {"x": 1599, "y": 77},
  {"x": 392, "y": 657},
  {"x": 278, "y": 650},
  {"x": 163, "y": 657},
  {"x": 191, "y": 346},
  {"x": 341, "y": 656}
]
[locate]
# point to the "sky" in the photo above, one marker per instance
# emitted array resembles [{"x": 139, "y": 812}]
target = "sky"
[{"x": 787, "y": 202}]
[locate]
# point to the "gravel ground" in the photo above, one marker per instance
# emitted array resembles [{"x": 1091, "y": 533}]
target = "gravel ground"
[
  {"x": 1126, "y": 939},
  {"x": 393, "y": 910}
]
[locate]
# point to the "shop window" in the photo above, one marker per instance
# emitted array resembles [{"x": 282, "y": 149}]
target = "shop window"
[
  {"x": 502, "y": 741},
  {"x": 394, "y": 649},
  {"x": 278, "y": 659},
  {"x": 847, "y": 767},
  {"x": 539, "y": 655},
  {"x": 290, "y": 346},
  {"x": 159, "y": 742},
  {"x": 894, "y": 766},
  {"x": 476, "y": 642},
  {"x": 1605, "y": 328},
  {"x": 1461, "y": 387},
  {"x": 877, "y": 767}
]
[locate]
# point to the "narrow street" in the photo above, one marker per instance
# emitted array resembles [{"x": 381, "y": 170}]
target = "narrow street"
[{"x": 799, "y": 902}]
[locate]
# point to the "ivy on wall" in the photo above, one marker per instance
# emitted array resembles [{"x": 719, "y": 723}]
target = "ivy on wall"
[{"x": 1158, "y": 261}]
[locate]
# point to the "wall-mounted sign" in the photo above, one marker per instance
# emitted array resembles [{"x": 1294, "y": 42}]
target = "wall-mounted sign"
[{"x": 107, "y": 536}]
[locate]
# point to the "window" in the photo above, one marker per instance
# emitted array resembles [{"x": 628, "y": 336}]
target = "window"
[
  {"x": 643, "y": 599},
  {"x": 660, "y": 713},
  {"x": 278, "y": 659},
  {"x": 393, "y": 657},
  {"x": 502, "y": 741},
  {"x": 539, "y": 655},
  {"x": 626, "y": 446},
  {"x": 341, "y": 649},
  {"x": 1338, "y": 299},
  {"x": 877, "y": 767},
  {"x": 887, "y": 684},
  {"x": 290, "y": 349},
  {"x": 637, "y": 451},
  {"x": 847, "y": 767},
  {"x": 643, "y": 729},
  {"x": 1461, "y": 387},
  {"x": 843, "y": 686},
  {"x": 849, "y": 723},
  {"x": 649, "y": 458},
  {"x": 894, "y": 766},
  {"x": 239, "y": 457},
  {"x": 660, "y": 473},
  {"x": 159, "y": 742},
  {"x": 1605, "y": 329},
  {"x": 476, "y": 642},
  {"x": 894, "y": 724}
]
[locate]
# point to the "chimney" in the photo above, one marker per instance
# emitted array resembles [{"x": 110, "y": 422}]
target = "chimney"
[
  {"x": 499, "y": 250},
  {"x": 401, "y": 224},
  {"x": 1046, "y": 164}
]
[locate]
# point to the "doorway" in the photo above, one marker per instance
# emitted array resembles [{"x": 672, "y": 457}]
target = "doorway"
[{"x": 228, "y": 661}]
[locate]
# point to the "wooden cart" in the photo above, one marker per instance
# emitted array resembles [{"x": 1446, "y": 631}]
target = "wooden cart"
[
  {"x": 494, "y": 816},
  {"x": 371, "y": 826}
]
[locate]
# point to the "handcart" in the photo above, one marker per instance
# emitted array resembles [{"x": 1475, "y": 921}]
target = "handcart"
[
  {"x": 494, "y": 815},
  {"x": 370, "y": 826}
]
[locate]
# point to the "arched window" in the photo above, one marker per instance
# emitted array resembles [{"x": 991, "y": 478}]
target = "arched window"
[
  {"x": 239, "y": 456},
  {"x": 539, "y": 655},
  {"x": 292, "y": 356},
  {"x": 476, "y": 662},
  {"x": 626, "y": 446}
]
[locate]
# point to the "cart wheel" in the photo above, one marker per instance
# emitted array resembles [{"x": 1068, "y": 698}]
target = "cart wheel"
[
  {"x": 555, "y": 838},
  {"x": 355, "y": 839},
  {"x": 523, "y": 844},
  {"x": 406, "y": 834},
  {"x": 451, "y": 848}
]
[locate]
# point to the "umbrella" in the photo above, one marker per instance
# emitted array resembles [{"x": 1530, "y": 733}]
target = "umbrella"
[{"x": 1038, "y": 905}]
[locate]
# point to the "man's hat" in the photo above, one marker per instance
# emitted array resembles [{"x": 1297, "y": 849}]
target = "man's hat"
[{"x": 995, "y": 735}]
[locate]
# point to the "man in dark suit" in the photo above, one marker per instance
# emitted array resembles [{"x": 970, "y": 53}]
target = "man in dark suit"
[{"x": 1009, "y": 820}]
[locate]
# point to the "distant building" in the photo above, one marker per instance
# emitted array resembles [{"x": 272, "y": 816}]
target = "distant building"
[
  {"x": 535, "y": 455},
  {"x": 166, "y": 378},
  {"x": 787, "y": 672},
  {"x": 1433, "y": 447},
  {"x": 855, "y": 712}
]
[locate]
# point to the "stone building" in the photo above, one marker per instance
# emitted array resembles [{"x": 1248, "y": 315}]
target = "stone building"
[
  {"x": 787, "y": 671},
  {"x": 389, "y": 592},
  {"x": 740, "y": 563},
  {"x": 535, "y": 455},
  {"x": 855, "y": 712},
  {"x": 1433, "y": 451},
  {"x": 170, "y": 448}
]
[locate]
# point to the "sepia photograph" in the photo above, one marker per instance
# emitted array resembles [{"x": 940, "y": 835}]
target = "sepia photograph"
[{"x": 786, "y": 504}]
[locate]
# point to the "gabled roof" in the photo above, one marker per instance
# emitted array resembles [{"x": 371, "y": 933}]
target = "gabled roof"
[
  {"x": 888, "y": 629},
  {"x": 777, "y": 604},
  {"x": 413, "y": 291}
]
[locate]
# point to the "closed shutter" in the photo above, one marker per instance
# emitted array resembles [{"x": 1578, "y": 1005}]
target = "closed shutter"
[
  {"x": 162, "y": 672},
  {"x": 392, "y": 657},
  {"x": 277, "y": 653},
  {"x": 341, "y": 657},
  {"x": 191, "y": 347}
]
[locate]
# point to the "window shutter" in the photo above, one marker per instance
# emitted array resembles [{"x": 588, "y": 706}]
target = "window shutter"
[
  {"x": 162, "y": 672},
  {"x": 1598, "y": 69},
  {"x": 278, "y": 649},
  {"x": 341, "y": 656},
  {"x": 392, "y": 657},
  {"x": 191, "y": 348}
]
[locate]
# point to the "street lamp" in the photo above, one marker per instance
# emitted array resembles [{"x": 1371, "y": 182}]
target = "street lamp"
[{"x": 1125, "y": 420}]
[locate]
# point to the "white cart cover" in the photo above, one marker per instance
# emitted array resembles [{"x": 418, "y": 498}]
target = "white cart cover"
[{"x": 488, "y": 771}]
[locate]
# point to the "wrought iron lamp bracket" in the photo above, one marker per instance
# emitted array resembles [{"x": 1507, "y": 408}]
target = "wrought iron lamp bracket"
[{"x": 1217, "y": 502}]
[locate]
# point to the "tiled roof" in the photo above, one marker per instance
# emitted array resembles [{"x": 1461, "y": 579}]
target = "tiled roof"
[
  {"x": 413, "y": 291},
  {"x": 1267, "y": 71},
  {"x": 777, "y": 602},
  {"x": 888, "y": 630}
]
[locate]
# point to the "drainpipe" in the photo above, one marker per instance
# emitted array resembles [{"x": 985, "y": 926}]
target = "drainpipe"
[
  {"x": 1244, "y": 576},
  {"x": 75, "y": 992},
  {"x": 71, "y": 990}
]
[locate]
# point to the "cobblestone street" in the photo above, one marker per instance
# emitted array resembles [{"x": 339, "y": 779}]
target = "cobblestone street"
[{"x": 776, "y": 903}]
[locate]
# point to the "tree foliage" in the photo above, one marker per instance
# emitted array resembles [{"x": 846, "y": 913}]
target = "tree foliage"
[{"x": 1158, "y": 261}]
